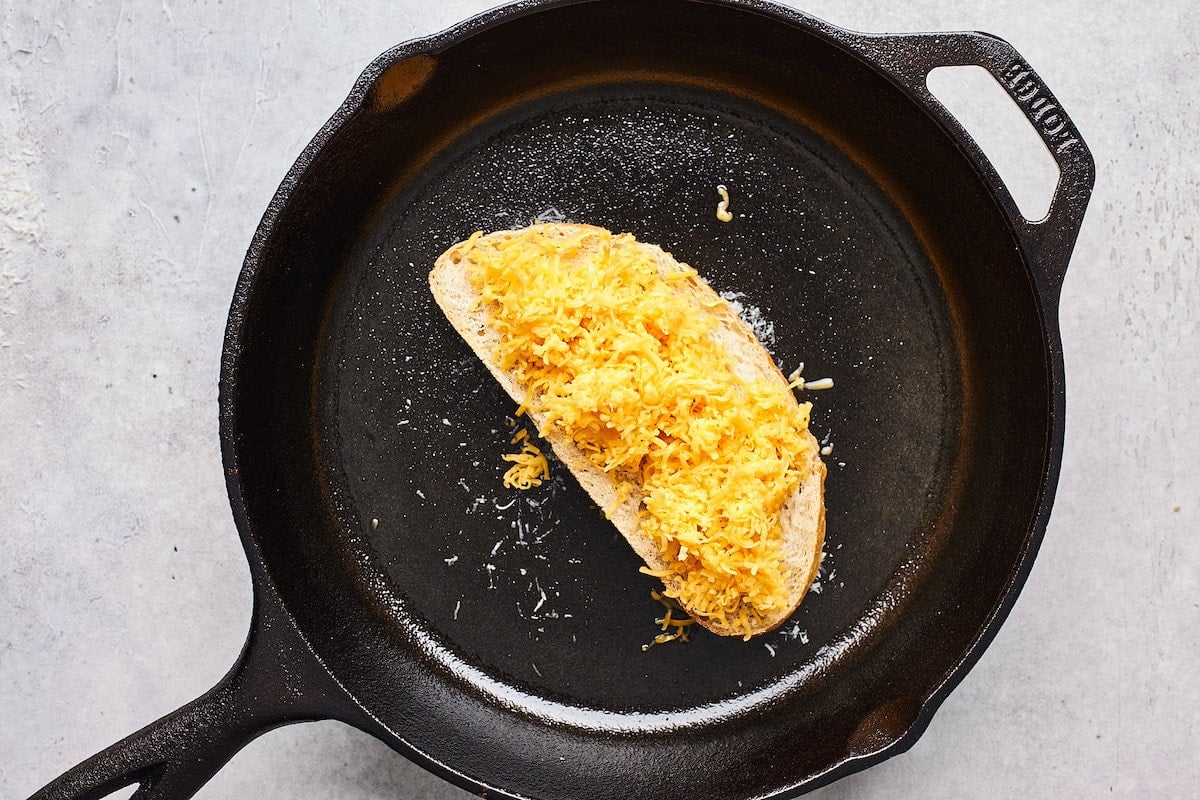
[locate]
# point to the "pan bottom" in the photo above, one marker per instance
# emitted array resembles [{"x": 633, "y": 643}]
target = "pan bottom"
[{"x": 535, "y": 593}]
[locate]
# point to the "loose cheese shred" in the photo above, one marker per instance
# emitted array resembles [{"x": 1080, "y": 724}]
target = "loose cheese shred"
[
  {"x": 668, "y": 621},
  {"x": 529, "y": 467},
  {"x": 723, "y": 207},
  {"x": 617, "y": 356}
]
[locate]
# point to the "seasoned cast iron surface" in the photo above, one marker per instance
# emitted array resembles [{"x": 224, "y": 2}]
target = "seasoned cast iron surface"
[{"x": 536, "y": 590}]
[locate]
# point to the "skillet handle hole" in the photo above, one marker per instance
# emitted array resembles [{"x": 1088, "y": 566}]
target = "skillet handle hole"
[{"x": 1002, "y": 132}]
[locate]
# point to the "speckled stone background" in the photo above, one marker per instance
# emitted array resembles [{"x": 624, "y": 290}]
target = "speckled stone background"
[{"x": 141, "y": 141}]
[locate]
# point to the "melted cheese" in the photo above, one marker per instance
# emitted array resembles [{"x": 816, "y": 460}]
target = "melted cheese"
[{"x": 618, "y": 356}]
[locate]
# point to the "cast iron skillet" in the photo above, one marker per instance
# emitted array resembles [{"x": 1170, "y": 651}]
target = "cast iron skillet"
[{"x": 496, "y": 638}]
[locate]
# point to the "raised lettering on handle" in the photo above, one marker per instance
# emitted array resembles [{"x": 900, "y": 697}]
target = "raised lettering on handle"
[{"x": 1034, "y": 99}]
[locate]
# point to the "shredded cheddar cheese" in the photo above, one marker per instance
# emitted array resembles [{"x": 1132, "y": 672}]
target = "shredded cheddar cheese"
[
  {"x": 529, "y": 467},
  {"x": 668, "y": 620},
  {"x": 616, "y": 355}
]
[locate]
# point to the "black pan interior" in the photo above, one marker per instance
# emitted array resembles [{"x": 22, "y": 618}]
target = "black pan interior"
[
  {"x": 536, "y": 588},
  {"x": 470, "y": 616}
]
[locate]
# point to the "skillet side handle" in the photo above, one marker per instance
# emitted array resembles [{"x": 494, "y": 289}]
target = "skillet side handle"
[
  {"x": 276, "y": 681},
  {"x": 909, "y": 58}
]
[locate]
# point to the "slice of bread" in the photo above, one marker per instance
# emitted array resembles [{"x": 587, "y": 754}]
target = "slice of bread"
[{"x": 802, "y": 517}]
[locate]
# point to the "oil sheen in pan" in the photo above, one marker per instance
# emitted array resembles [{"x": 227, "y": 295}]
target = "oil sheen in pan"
[{"x": 534, "y": 594}]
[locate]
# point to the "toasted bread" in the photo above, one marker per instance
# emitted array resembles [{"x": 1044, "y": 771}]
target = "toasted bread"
[{"x": 802, "y": 517}]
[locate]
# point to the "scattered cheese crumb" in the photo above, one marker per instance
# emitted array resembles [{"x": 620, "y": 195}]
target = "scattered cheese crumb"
[
  {"x": 751, "y": 314},
  {"x": 796, "y": 382},
  {"x": 723, "y": 207}
]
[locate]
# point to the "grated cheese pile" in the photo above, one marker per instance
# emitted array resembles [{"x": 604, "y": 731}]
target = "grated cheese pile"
[
  {"x": 618, "y": 356},
  {"x": 529, "y": 466}
]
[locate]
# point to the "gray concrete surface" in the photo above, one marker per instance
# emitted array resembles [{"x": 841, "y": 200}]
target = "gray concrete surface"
[{"x": 141, "y": 141}]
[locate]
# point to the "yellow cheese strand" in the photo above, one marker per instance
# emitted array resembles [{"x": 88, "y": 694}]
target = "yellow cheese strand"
[{"x": 529, "y": 467}]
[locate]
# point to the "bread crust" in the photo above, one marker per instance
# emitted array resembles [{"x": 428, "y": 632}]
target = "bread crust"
[{"x": 802, "y": 517}]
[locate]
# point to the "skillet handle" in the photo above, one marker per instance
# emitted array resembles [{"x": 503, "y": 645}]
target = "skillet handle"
[
  {"x": 909, "y": 58},
  {"x": 276, "y": 681}
]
